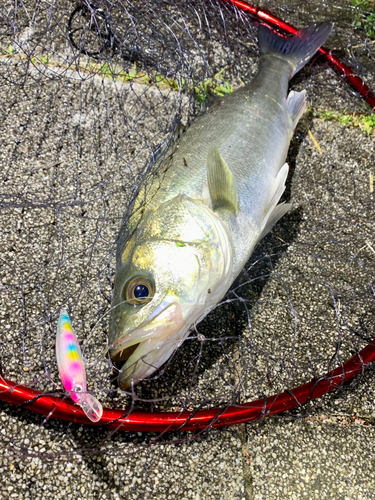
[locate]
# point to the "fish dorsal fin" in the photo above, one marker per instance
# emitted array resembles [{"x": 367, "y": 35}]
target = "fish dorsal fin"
[{"x": 221, "y": 183}]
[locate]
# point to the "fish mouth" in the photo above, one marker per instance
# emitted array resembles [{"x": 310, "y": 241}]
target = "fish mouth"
[
  {"x": 124, "y": 354},
  {"x": 162, "y": 322}
]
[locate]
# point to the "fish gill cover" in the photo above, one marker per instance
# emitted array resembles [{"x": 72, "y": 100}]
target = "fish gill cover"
[{"x": 90, "y": 94}]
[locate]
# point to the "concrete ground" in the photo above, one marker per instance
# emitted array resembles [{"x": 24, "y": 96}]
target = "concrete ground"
[{"x": 71, "y": 147}]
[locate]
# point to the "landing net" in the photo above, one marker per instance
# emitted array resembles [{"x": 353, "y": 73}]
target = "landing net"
[{"x": 90, "y": 94}]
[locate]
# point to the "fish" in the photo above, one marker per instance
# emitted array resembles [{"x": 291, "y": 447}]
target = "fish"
[
  {"x": 71, "y": 368},
  {"x": 215, "y": 195}
]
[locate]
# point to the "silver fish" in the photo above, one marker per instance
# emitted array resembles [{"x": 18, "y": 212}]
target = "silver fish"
[{"x": 214, "y": 197}]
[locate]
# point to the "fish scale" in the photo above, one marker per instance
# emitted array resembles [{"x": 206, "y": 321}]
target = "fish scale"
[{"x": 246, "y": 141}]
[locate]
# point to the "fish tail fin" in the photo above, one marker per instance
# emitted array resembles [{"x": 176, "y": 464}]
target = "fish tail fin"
[{"x": 297, "y": 49}]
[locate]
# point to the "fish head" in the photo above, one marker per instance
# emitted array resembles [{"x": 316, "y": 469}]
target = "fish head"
[{"x": 171, "y": 271}]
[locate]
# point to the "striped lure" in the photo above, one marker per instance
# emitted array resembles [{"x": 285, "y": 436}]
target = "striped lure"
[{"x": 72, "y": 369}]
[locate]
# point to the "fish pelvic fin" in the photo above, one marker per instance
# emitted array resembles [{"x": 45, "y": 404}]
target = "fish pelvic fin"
[
  {"x": 276, "y": 214},
  {"x": 221, "y": 183},
  {"x": 296, "y": 105},
  {"x": 273, "y": 211},
  {"x": 297, "y": 49}
]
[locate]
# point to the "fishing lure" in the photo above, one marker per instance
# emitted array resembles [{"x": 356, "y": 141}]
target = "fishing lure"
[{"x": 72, "y": 368}]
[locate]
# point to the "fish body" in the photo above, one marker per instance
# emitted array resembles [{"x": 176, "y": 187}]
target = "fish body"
[
  {"x": 72, "y": 368},
  {"x": 214, "y": 196}
]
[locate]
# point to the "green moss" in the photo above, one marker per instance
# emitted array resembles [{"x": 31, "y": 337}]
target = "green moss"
[
  {"x": 216, "y": 85},
  {"x": 365, "y": 16},
  {"x": 9, "y": 51},
  {"x": 45, "y": 58},
  {"x": 364, "y": 122}
]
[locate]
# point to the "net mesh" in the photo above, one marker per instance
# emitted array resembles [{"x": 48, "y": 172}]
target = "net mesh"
[{"x": 90, "y": 93}]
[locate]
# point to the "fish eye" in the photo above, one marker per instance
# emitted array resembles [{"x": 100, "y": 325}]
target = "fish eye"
[{"x": 138, "y": 290}]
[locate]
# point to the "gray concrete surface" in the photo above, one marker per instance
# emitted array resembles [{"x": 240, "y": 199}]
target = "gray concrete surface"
[
  {"x": 318, "y": 459},
  {"x": 72, "y": 145},
  {"x": 124, "y": 466}
]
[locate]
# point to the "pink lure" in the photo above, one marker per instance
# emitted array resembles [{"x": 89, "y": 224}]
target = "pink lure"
[{"x": 72, "y": 369}]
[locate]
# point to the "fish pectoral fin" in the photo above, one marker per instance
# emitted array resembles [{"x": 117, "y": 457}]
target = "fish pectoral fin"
[
  {"x": 221, "y": 183},
  {"x": 273, "y": 211},
  {"x": 296, "y": 105}
]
